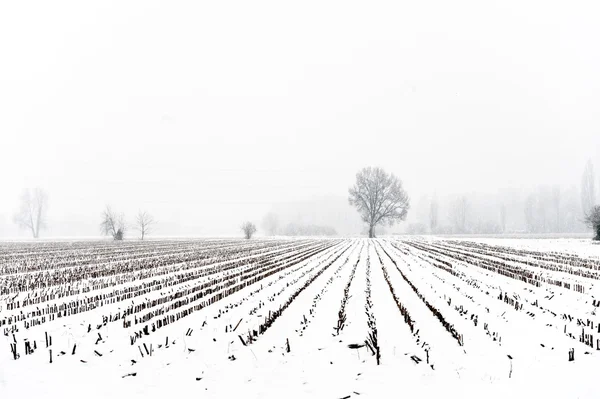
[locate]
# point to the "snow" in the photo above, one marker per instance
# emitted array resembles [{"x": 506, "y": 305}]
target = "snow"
[{"x": 506, "y": 350}]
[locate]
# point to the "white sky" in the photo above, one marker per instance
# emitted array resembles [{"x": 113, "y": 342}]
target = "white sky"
[{"x": 208, "y": 113}]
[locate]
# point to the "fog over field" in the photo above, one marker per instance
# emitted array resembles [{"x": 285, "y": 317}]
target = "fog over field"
[
  {"x": 210, "y": 113},
  {"x": 313, "y": 199}
]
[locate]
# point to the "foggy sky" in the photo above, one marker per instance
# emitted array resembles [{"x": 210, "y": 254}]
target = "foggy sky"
[{"x": 210, "y": 113}]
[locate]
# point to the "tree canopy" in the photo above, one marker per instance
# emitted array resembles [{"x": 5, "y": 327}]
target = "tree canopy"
[{"x": 379, "y": 198}]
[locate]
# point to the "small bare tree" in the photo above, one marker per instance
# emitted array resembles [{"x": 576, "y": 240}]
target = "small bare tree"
[
  {"x": 249, "y": 229},
  {"x": 32, "y": 211},
  {"x": 113, "y": 224},
  {"x": 592, "y": 219},
  {"x": 379, "y": 198},
  {"x": 144, "y": 223}
]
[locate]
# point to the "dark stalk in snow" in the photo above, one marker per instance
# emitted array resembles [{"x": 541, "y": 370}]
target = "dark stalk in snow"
[{"x": 371, "y": 340}]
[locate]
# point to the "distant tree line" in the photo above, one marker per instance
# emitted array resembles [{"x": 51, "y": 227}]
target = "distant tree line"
[
  {"x": 272, "y": 227},
  {"x": 381, "y": 200},
  {"x": 544, "y": 209},
  {"x": 33, "y": 208},
  {"x": 295, "y": 229}
]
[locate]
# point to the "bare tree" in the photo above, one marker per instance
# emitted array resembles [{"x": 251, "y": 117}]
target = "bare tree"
[
  {"x": 459, "y": 213},
  {"x": 113, "y": 224},
  {"x": 249, "y": 229},
  {"x": 144, "y": 223},
  {"x": 588, "y": 192},
  {"x": 592, "y": 219},
  {"x": 503, "y": 218},
  {"x": 433, "y": 215},
  {"x": 32, "y": 211},
  {"x": 270, "y": 223},
  {"x": 379, "y": 198}
]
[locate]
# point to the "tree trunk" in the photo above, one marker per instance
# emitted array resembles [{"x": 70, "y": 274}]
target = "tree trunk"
[{"x": 371, "y": 232}]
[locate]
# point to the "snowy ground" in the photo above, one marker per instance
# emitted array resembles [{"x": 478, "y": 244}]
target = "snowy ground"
[{"x": 297, "y": 318}]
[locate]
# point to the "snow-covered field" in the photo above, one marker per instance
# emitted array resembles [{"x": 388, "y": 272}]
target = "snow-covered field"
[{"x": 314, "y": 318}]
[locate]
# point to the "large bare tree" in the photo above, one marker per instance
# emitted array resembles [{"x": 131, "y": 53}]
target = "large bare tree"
[
  {"x": 32, "y": 211},
  {"x": 588, "y": 190},
  {"x": 249, "y": 229},
  {"x": 379, "y": 198},
  {"x": 144, "y": 223},
  {"x": 113, "y": 224}
]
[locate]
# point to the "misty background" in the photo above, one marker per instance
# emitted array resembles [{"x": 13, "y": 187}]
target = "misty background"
[{"x": 207, "y": 114}]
